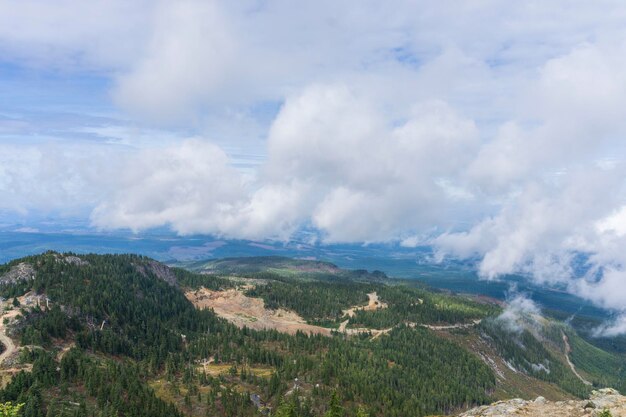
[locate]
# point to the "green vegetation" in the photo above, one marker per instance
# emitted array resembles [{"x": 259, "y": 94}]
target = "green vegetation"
[
  {"x": 315, "y": 301},
  {"x": 140, "y": 346},
  {"x": 524, "y": 352},
  {"x": 193, "y": 280},
  {"x": 255, "y": 264},
  {"x": 604, "y": 369},
  {"x": 282, "y": 267},
  {"x": 323, "y": 302},
  {"x": 9, "y": 410},
  {"x": 142, "y": 349},
  {"x": 414, "y": 305},
  {"x": 82, "y": 386}
]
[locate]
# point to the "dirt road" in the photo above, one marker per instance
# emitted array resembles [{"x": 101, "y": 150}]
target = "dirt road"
[
  {"x": 451, "y": 326},
  {"x": 373, "y": 304},
  {"x": 568, "y": 349},
  {"x": 241, "y": 310},
  {"x": 10, "y": 347}
]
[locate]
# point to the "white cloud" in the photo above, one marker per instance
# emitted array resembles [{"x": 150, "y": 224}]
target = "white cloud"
[
  {"x": 52, "y": 177},
  {"x": 558, "y": 197},
  {"x": 614, "y": 328},
  {"x": 520, "y": 311},
  {"x": 71, "y": 35},
  {"x": 371, "y": 180},
  {"x": 613, "y": 223},
  {"x": 190, "y": 187},
  {"x": 184, "y": 63}
]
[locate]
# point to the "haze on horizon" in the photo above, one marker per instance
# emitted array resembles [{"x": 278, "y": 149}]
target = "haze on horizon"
[{"x": 485, "y": 129}]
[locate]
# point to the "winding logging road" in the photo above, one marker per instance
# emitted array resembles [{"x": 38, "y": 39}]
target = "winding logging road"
[
  {"x": 568, "y": 349},
  {"x": 9, "y": 346}
]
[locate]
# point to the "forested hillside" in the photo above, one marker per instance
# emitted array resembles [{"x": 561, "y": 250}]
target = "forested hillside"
[{"x": 115, "y": 335}]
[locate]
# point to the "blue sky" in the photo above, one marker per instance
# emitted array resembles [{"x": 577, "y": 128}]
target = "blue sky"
[{"x": 486, "y": 129}]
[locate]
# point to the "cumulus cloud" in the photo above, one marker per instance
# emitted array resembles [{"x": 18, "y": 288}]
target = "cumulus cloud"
[
  {"x": 184, "y": 62},
  {"x": 190, "y": 187},
  {"x": 553, "y": 180},
  {"x": 333, "y": 160},
  {"x": 541, "y": 225},
  {"x": 369, "y": 178},
  {"x": 71, "y": 35},
  {"x": 55, "y": 178}
]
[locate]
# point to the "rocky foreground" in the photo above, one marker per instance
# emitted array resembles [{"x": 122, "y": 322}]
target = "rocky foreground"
[{"x": 603, "y": 399}]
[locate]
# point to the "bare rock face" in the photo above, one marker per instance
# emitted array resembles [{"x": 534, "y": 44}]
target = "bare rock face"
[
  {"x": 603, "y": 399},
  {"x": 159, "y": 270},
  {"x": 75, "y": 260},
  {"x": 20, "y": 272},
  {"x": 70, "y": 259}
]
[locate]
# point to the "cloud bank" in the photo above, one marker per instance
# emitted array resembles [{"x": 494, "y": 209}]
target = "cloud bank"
[{"x": 490, "y": 130}]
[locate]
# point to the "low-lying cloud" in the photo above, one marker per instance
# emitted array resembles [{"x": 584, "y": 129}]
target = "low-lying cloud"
[
  {"x": 613, "y": 328},
  {"x": 520, "y": 311}
]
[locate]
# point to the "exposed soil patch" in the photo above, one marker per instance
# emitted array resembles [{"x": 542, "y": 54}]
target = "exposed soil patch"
[
  {"x": 8, "y": 358},
  {"x": 9, "y": 347},
  {"x": 236, "y": 307},
  {"x": 216, "y": 370},
  {"x": 244, "y": 311},
  {"x": 8, "y": 313},
  {"x": 373, "y": 304}
]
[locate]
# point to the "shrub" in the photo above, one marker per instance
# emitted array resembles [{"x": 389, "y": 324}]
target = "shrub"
[{"x": 10, "y": 410}]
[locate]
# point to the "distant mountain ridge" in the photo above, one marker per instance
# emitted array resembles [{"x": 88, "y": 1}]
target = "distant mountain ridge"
[{"x": 280, "y": 265}]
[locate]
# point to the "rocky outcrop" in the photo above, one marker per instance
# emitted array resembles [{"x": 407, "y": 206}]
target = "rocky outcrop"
[
  {"x": 75, "y": 260},
  {"x": 20, "y": 272},
  {"x": 603, "y": 399},
  {"x": 157, "y": 269},
  {"x": 69, "y": 259}
]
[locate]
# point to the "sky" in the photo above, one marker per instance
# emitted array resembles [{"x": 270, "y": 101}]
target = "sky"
[{"x": 491, "y": 130}]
